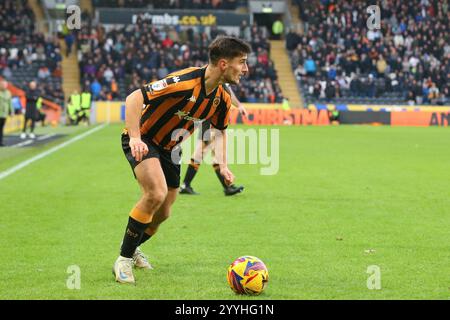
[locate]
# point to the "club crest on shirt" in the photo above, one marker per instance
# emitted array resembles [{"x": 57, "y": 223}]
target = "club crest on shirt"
[
  {"x": 216, "y": 102},
  {"x": 159, "y": 85}
]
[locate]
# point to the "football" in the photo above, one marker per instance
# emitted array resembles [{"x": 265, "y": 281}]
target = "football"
[{"x": 247, "y": 275}]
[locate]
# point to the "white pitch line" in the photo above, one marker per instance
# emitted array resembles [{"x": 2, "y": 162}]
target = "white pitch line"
[
  {"x": 45, "y": 137},
  {"x": 27, "y": 142},
  {"x": 25, "y": 163},
  {"x": 21, "y": 144}
]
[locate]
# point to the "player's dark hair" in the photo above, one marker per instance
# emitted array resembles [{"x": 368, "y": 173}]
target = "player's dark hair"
[{"x": 225, "y": 47}]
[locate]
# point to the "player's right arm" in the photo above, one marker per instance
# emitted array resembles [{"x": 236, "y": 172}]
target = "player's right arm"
[
  {"x": 133, "y": 111},
  {"x": 235, "y": 102}
]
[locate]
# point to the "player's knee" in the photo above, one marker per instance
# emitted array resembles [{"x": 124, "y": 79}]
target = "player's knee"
[
  {"x": 159, "y": 196},
  {"x": 155, "y": 198}
]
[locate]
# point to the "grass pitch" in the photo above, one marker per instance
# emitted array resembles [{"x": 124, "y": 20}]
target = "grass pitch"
[{"x": 345, "y": 198}]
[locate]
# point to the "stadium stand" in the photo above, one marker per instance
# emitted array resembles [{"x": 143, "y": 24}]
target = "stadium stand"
[
  {"x": 27, "y": 55},
  {"x": 336, "y": 59},
  {"x": 116, "y": 62}
]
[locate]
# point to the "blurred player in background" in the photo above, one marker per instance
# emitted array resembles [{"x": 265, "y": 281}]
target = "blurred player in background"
[
  {"x": 207, "y": 143},
  {"x": 151, "y": 140}
]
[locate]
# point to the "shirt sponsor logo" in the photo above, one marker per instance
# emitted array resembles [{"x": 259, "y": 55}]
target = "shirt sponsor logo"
[{"x": 185, "y": 115}]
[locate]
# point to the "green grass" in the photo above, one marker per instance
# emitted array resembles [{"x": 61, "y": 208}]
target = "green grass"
[
  {"x": 339, "y": 191},
  {"x": 10, "y": 156}
]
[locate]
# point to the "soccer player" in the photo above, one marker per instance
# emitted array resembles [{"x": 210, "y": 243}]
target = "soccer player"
[
  {"x": 152, "y": 136},
  {"x": 206, "y": 144}
]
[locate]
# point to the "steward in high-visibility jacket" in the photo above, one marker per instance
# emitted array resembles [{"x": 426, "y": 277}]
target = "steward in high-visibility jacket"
[
  {"x": 74, "y": 107},
  {"x": 85, "y": 106},
  {"x": 40, "y": 115}
]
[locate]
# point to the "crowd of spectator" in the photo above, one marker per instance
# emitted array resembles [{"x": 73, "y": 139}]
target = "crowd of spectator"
[
  {"x": 407, "y": 58},
  {"x": 16, "y": 23},
  {"x": 172, "y": 4},
  {"x": 25, "y": 54},
  {"x": 114, "y": 63}
]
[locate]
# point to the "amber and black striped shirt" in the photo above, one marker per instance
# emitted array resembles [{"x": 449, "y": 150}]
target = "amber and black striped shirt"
[{"x": 177, "y": 102}]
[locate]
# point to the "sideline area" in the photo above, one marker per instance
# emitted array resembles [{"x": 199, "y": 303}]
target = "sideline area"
[{"x": 47, "y": 141}]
